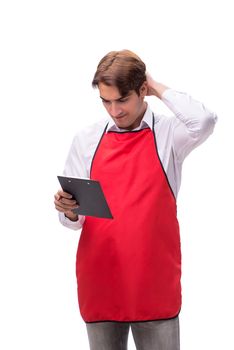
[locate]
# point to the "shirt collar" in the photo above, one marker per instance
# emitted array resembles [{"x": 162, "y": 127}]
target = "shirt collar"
[{"x": 147, "y": 121}]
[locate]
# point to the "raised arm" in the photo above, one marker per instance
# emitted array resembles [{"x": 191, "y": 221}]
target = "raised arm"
[{"x": 194, "y": 121}]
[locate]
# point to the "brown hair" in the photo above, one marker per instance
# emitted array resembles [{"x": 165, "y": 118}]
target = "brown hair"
[{"x": 123, "y": 69}]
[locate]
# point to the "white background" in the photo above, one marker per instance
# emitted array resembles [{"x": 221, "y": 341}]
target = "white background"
[{"x": 49, "y": 53}]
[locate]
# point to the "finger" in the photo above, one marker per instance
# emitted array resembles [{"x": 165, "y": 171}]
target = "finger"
[
  {"x": 64, "y": 208},
  {"x": 64, "y": 194},
  {"x": 69, "y": 204},
  {"x": 61, "y": 194},
  {"x": 67, "y": 201},
  {"x": 57, "y": 197}
]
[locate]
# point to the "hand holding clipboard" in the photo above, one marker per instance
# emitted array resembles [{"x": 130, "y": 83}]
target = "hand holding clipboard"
[{"x": 88, "y": 194}]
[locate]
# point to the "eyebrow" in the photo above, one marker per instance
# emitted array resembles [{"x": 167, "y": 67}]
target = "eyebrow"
[{"x": 118, "y": 99}]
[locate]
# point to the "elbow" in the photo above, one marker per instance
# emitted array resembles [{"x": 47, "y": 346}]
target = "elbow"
[
  {"x": 208, "y": 123},
  {"x": 203, "y": 128}
]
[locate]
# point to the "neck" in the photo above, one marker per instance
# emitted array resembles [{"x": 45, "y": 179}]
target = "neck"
[{"x": 138, "y": 120}]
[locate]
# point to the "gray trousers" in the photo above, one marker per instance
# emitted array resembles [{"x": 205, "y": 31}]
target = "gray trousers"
[{"x": 155, "y": 335}]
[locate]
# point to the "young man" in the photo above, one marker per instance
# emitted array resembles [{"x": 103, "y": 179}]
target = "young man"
[{"x": 129, "y": 268}]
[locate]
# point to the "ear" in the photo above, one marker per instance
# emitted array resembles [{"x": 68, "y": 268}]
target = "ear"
[{"x": 143, "y": 89}]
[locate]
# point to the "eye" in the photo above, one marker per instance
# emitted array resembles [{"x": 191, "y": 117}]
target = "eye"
[
  {"x": 123, "y": 100},
  {"x": 105, "y": 102}
]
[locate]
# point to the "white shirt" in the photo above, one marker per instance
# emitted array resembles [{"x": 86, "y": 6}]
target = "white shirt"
[{"x": 176, "y": 136}]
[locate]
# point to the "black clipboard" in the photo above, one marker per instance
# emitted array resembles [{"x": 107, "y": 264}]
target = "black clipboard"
[{"x": 89, "y": 194}]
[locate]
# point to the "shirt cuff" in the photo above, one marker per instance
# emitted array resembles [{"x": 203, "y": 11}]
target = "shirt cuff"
[
  {"x": 74, "y": 225},
  {"x": 168, "y": 92}
]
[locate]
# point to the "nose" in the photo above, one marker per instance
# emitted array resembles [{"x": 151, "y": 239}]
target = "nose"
[{"x": 115, "y": 110}]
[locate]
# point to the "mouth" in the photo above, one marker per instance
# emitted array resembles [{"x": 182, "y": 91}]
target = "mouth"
[{"x": 120, "y": 117}]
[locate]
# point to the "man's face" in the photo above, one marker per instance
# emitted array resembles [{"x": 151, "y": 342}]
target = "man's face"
[{"x": 126, "y": 111}]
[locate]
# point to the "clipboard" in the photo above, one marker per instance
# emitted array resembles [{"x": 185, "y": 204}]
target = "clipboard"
[{"x": 89, "y": 194}]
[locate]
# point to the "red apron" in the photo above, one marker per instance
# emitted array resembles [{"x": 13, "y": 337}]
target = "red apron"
[{"x": 129, "y": 268}]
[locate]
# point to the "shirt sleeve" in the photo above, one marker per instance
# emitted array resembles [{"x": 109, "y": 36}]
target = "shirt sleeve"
[
  {"x": 74, "y": 166},
  {"x": 73, "y": 225},
  {"x": 193, "y": 124}
]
